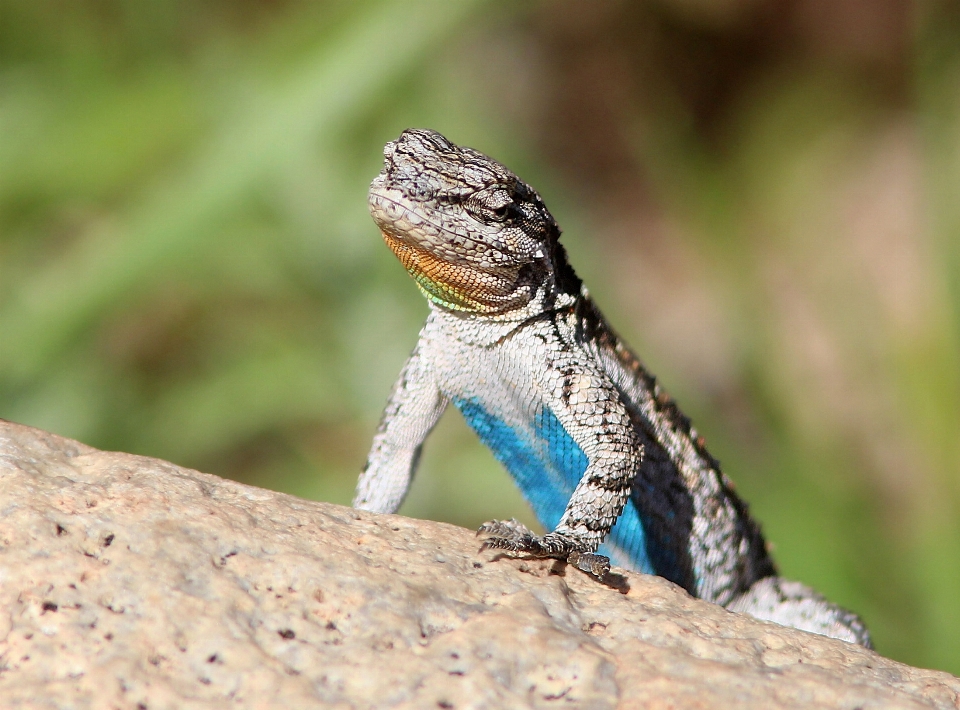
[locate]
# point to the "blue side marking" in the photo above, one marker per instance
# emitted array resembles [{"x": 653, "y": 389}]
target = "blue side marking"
[
  {"x": 627, "y": 544},
  {"x": 547, "y": 465},
  {"x": 548, "y": 494}
]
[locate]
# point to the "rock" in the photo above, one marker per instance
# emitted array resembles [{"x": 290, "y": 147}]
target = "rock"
[{"x": 128, "y": 582}]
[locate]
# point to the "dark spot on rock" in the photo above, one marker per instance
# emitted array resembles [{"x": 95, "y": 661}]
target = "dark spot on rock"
[
  {"x": 331, "y": 626},
  {"x": 444, "y": 704},
  {"x": 213, "y": 659},
  {"x": 108, "y": 637},
  {"x": 108, "y": 540},
  {"x": 477, "y": 565},
  {"x": 61, "y": 530},
  {"x": 49, "y": 606},
  {"x": 142, "y": 706},
  {"x": 287, "y": 634},
  {"x": 205, "y": 681}
]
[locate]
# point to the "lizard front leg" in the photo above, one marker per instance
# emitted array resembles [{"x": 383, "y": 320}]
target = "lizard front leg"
[
  {"x": 413, "y": 409},
  {"x": 594, "y": 419}
]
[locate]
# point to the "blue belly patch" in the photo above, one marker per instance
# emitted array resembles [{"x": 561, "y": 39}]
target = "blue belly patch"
[{"x": 547, "y": 465}]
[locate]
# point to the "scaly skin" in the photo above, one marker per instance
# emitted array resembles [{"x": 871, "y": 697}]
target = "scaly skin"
[{"x": 607, "y": 461}]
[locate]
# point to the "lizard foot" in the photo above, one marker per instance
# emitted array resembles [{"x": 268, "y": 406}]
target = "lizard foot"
[{"x": 514, "y": 536}]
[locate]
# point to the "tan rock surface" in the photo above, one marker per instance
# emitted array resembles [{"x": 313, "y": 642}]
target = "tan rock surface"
[{"x": 128, "y": 582}]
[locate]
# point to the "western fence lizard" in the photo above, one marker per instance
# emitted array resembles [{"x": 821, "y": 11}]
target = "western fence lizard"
[{"x": 607, "y": 461}]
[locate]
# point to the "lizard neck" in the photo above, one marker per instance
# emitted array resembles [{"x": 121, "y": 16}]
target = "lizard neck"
[{"x": 497, "y": 327}]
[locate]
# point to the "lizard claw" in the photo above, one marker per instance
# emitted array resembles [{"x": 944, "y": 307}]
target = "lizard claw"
[
  {"x": 514, "y": 536},
  {"x": 509, "y": 535},
  {"x": 504, "y": 528}
]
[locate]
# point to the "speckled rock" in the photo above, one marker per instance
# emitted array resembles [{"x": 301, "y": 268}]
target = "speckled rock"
[{"x": 128, "y": 582}]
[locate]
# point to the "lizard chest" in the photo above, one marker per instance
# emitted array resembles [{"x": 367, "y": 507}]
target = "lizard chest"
[{"x": 507, "y": 394}]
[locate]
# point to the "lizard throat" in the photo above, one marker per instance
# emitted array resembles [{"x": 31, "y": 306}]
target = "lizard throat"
[{"x": 452, "y": 286}]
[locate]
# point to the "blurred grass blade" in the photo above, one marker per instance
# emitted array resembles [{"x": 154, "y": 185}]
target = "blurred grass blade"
[{"x": 328, "y": 92}]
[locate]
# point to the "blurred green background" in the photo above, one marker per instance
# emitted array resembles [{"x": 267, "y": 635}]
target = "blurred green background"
[{"x": 761, "y": 194}]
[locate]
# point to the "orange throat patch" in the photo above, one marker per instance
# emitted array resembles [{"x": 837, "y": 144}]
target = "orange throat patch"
[{"x": 453, "y": 286}]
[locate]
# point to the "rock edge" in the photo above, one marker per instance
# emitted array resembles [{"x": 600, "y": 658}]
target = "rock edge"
[{"x": 131, "y": 582}]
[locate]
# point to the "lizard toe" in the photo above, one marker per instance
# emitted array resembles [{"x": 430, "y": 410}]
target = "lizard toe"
[{"x": 504, "y": 528}]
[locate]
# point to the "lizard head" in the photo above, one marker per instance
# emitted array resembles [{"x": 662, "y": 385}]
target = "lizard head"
[{"x": 474, "y": 236}]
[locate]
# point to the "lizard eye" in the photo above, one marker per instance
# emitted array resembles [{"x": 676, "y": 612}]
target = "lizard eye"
[
  {"x": 506, "y": 210},
  {"x": 483, "y": 210}
]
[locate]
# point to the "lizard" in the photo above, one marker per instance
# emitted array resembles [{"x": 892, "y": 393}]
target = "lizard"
[{"x": 611, "y": 467}]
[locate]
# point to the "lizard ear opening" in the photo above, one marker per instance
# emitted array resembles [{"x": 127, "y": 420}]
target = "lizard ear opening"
[{"x": 566, "y": 278}]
